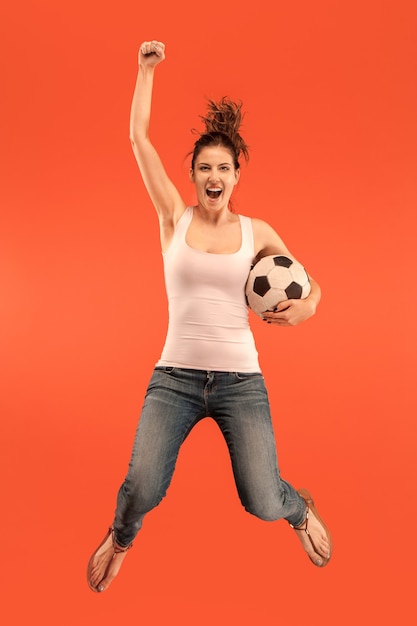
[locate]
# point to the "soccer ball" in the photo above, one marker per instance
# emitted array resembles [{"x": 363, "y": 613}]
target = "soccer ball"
[{"x": 275, "y": 278}]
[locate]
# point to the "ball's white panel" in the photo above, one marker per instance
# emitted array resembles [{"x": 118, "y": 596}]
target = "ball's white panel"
[{"x": 280, "y": 277}]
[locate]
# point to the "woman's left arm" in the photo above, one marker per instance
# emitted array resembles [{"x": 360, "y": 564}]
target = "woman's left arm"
[{"x": 288, "y": 312}]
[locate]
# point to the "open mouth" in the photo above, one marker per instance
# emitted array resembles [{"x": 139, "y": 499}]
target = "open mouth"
[{"x": 213, "y": 192}]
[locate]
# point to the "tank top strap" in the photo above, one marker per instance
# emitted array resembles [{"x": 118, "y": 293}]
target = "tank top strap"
[
  {"x": 180, "y": 231},
  {"x": 183, "y": 224},
  {"x": 248, "y": 243}
]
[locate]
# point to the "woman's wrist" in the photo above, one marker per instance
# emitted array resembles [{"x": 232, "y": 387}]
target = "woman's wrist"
[{"x": 149, "y": 69}]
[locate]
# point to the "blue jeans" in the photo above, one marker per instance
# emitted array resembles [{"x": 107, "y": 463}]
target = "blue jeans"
[{"x": 176, "y": 400}]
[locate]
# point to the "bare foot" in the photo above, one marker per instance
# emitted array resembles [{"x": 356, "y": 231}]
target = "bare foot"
[
  {"x": 105, "y": 563},
  {"x": 313, "y": 534}
]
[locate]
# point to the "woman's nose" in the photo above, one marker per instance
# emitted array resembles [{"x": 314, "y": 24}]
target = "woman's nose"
[{"x": 214, "y": 176}]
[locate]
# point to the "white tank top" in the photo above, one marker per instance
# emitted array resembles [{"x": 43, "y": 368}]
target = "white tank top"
[{"x": 208, "y": 316}]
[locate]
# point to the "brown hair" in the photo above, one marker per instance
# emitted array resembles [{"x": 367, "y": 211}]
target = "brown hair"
[{"x": 222, "y": 123}]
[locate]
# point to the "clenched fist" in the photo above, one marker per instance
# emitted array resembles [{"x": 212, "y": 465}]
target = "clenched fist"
[{"x": 151, "y": 53}]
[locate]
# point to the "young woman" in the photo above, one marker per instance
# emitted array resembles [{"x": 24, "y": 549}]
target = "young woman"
[{"x": 209, "y": 364}]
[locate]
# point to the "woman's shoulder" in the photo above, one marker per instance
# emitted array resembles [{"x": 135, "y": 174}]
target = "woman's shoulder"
[
  {"x": 261, "y": 226},
  {"x": 256, "y": 221},
  {"x": 267, "y": 241}
]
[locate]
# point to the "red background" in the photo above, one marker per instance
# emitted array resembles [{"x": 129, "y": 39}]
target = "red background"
[{"x": 330, "y": 93}]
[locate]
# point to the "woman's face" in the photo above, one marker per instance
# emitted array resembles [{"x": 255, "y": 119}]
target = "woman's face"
[{"x": 214, "y": 176}]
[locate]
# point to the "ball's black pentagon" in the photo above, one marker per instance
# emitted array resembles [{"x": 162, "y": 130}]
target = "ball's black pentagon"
[
  {"x": 261, "y": 285},
  {"x": 294, "y": 290},
  {"x": 283, "y": 261}
]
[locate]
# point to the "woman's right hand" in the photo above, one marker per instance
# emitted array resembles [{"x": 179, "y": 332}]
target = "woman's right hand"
[{"x": 151, "y": 53}]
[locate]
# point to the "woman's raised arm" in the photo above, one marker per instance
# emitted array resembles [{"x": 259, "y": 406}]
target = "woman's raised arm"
[{"x": 164, "y": 195}]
